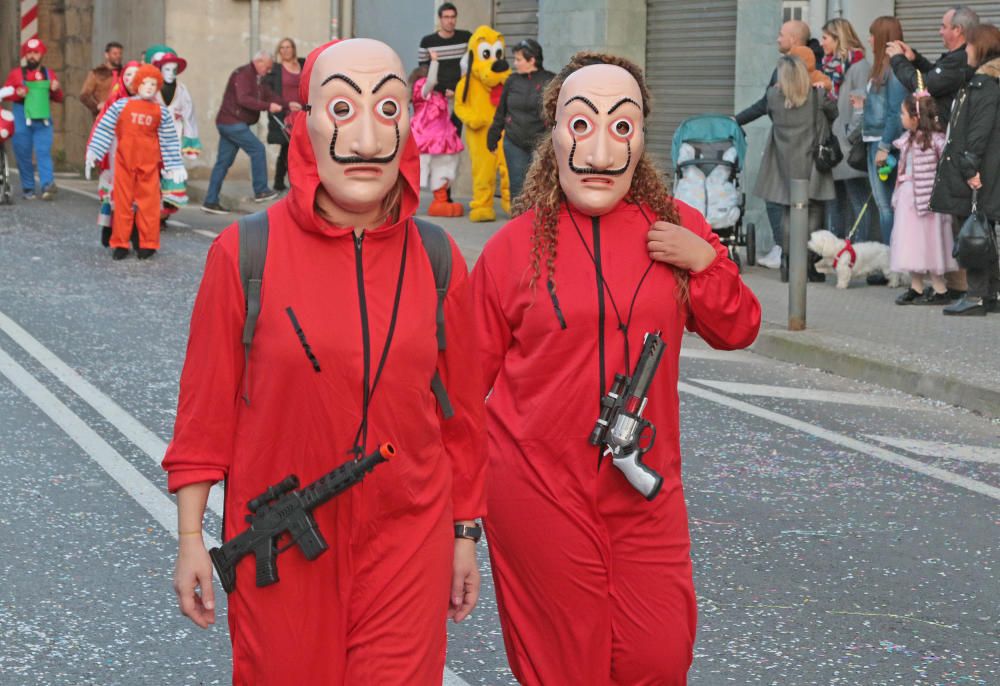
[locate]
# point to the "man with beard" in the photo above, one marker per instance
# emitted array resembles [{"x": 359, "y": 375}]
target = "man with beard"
[
  {"x": 35, "y": 89},
  {"x": 593, "y": 573},
  {"x": 101, "y": 78},
  {"x": 343, "y": 359}
]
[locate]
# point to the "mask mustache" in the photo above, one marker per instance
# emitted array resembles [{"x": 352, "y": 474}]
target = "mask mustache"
[
  {"x": 358, "y": 159},
  {"x": 590, "y": 171}
]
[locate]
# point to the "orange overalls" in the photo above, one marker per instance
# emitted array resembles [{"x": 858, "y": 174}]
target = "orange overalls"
[{"x": 136, "y": 193}]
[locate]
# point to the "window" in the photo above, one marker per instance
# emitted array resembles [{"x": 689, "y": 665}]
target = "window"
[{"x": 795, "y": 9}]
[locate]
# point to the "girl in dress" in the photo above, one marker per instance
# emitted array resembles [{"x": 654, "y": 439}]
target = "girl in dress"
[
  {"x": 921, "y": 240},
  {"x": 438, "y": 142}
]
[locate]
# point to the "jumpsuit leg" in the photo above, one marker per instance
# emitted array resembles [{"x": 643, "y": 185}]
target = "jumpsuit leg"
[
  {"x": 122, "y": 197},
  {"x": 23, "y": 145},
  {"x": 147, "y": 201}
]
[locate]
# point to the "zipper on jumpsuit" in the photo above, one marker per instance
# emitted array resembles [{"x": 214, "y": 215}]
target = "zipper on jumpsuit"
[
  {"x": 595, "y": 223},
  {"x": 365, "y": 342}
]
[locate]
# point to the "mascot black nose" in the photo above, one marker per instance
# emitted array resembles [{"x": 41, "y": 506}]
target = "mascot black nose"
[{"x": 500, "y": 65}]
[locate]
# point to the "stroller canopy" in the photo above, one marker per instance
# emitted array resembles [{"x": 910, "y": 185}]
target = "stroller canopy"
[{"x": 710, "y": 127}]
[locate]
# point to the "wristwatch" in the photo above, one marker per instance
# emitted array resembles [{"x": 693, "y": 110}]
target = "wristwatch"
[{"x": 473, "y": 533}]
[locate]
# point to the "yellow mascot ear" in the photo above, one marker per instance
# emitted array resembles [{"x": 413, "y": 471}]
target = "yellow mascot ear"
[{"x": 470, "y": 56}]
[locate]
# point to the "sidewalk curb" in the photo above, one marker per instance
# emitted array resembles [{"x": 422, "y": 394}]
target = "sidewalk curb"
[{"x": 811, "y": 351}]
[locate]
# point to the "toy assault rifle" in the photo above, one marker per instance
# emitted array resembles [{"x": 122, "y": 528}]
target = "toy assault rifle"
[
  {"x": 620, "y": 425},
  {"x": 281, "y": 509}
]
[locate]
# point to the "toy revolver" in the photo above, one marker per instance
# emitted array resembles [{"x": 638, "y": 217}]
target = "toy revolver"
[{"x": 620, "y": 425}]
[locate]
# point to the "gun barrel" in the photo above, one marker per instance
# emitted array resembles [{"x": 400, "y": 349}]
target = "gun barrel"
[{"x": 645, "y": 367}]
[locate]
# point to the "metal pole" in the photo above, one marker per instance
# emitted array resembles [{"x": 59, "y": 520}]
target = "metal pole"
[
  {"x": 797, "y": 239},
  {"x": 254, "y": 27},
  {"x": 334, "y": 19}
]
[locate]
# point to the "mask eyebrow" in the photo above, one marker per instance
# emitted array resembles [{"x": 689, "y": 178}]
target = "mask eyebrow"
[
  {"x": 343, "y": 77},
  {"x": 584, "y": 100},
  {"x": 387, "y": 78},
  {"x": 622, "y": 102}
]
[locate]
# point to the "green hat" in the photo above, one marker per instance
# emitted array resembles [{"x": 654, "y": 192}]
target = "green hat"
[{"x": 156, "y": 51}]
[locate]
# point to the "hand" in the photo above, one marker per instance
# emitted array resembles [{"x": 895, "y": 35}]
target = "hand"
[
  {"x": 177, "y": 174},
  {"x": 975, "y": 183},
  {"x": 857, "y": 101},
  {"x": 679, "y": 247},
  {"x": 89, "y": 163},
  {"x": 54, "y": 85},
  {"x": 194, "y": 571},
  {"x": 464, "y": 581},
  {"x": 20, "y": 91},
  {"x": 449, "y": 93},
  {"x": 294, "y": 107},
  {"x": 433, "y": 54},
  {"x": 908, "y": 52},
  {"x": 880, "y": 157},
  {"x": 274, "y": 107},
  {"x": 894, "y": 48}
]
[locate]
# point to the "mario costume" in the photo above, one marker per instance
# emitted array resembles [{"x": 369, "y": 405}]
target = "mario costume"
[
  {"x": 372, "y": 608},
  {"x": 35, "y": 89},
  {"x": 476, "y": 98},
  {"x": 594, "y": 580},
  {"x": 146, "y": 143},
  {"x": 175, "y": 96}
]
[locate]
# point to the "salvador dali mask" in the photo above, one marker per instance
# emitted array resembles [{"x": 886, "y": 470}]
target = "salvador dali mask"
[
  {"x": 598, "y": 136},
  {"x": 358, "y": 121}
]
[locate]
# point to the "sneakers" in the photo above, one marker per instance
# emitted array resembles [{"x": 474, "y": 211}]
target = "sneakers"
[
  {"x": 932, "y": 298},
  {"x": 265, "y": 196},
  {"x": 966, "y": 307},
  {"x": 771, "y": 260},
  {"x": 214, "y": 208},
  {"x": 910, "y": 297},
  {"x": 49, "y": 192},
  {"x": 29, "y": 195}
]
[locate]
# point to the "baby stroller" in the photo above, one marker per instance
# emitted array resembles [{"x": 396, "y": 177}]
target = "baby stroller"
[
  {"x": 6, "y": 133},
  {"x": 708, "y": 153}
]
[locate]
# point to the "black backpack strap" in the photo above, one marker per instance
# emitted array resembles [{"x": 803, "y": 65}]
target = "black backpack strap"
[
  {"x": 253, "y": 231},
  {"x": 438, "y": 249}
]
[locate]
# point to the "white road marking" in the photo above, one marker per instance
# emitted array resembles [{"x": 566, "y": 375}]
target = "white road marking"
[
  {"x": 130, "y": 427},
  {"x": 79, "y": 191},
  {"x": 950, "y": 451},
  {"x": 128, "y": 477},
  {"x": 209, "y": 234},
  {"x": 174, "y": 222},
  {"x": 817, "y": 395},
  {"x": 845, "y": 441},
  {"x": 110, "y": 460},
  {"x": 723, "y": 355}
]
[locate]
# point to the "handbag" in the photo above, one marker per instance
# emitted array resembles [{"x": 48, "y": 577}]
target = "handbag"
[
  {"x": 826, "y": 153},
  {"x": 975, "y": 245},
  {"x": 857, "y": 156}
]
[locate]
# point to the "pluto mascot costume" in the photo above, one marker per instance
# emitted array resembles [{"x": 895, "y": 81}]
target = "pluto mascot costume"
[{"x": 476, "y": 98}]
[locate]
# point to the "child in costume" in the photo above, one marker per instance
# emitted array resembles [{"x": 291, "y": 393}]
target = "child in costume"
[
  {"x": 35, "y": 89},
  {"x": 436, "y": 139},
  {"x": 476, "y": 98},
  {"x": 146, "y": 142},
  {"x": 175, "y": 97}
]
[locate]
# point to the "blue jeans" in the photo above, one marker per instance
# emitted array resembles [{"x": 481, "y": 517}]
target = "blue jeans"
[
  {"x": 232, "y": 139},
  {"x": 36, "y": 138},
  {"x": 882, "y": 195},
  {"x": 775, "y": 215},
  {"x": 518, "y": 161}
]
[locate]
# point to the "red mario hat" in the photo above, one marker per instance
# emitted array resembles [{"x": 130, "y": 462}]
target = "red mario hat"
[{"x": 33, "y": 45}]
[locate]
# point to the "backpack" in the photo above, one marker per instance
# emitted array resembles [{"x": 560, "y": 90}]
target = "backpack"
[{"x": 253, "y": 233}]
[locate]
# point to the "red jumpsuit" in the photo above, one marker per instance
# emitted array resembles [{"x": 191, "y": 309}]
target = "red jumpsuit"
[
  {"x": 593, "y": 583},
  {"x": 137, "y": 175},
  {"x": 372, "y": 609}
]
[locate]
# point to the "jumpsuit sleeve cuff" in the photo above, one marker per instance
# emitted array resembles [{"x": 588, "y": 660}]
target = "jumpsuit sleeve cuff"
[
  {"x": 178, "y": 479},
  {"x": 714, "y": 263}
]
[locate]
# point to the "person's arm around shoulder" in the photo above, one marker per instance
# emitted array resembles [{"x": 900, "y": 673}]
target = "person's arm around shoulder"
[{"x": 723, "y": 309}]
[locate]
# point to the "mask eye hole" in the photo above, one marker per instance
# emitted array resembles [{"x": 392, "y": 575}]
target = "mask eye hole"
[
  {"x": 622, "y": 128},
  {"x": 388, "y": 108},
  {"x": 580, "y": 125},
  {"x": 341, "y": 109}
]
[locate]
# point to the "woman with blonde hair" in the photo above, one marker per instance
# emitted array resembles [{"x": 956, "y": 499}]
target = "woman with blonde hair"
[
  {"x": 844, "y": 62},
  {"x": 800, "y": 114},
  {"x": 283, "y": 80}
]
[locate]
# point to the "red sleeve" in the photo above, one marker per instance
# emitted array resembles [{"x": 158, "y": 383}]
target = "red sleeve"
[
  {"x": 15, "y": 79},
  {"x": 202, "y": 446},
  {"x": 57, "y": 94},
  {"x": 723, "y": 309},
  {"x": 247, "y": 91},
  {"x": 464, "y": 435},
  {"x": 492, "y": 327}
]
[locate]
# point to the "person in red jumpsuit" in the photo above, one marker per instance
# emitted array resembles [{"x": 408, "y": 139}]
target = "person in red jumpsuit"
[
  {"x": 145, "y": 140},
  {"x": 343, "y": 247},
  {"x": 594, "y": 582}
]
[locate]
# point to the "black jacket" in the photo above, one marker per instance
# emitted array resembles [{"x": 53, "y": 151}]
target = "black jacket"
[
  {"x": 519, "y": 113},
  {"x": 759, "y": 108},
  {"x": 273, "y": 82},
  {"x": 973, "y": 147},
  {"x": 943, "y": 79}
]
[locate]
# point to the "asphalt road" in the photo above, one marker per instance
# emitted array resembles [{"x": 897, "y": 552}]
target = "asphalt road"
[{"x": 842, "y": 533}]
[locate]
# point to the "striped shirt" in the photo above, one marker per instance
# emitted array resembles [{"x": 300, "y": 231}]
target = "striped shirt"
[
  {"x": 104, "y": 135},
  {"x": 450, "y": 52}
]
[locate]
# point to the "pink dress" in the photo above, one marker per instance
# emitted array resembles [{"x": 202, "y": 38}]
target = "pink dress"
[
  {"x": 921, "y": 239},
  {"x": 431, "y": 125}
]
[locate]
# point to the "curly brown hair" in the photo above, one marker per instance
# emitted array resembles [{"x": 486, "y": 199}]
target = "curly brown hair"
[{"x": 543, "y": 194}]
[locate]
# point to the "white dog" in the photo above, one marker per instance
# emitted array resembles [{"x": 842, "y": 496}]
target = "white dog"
[{"x": 859, "y": 259}]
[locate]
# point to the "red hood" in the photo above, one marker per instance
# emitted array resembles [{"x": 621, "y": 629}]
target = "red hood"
[{"x": 304, "y": 175}]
